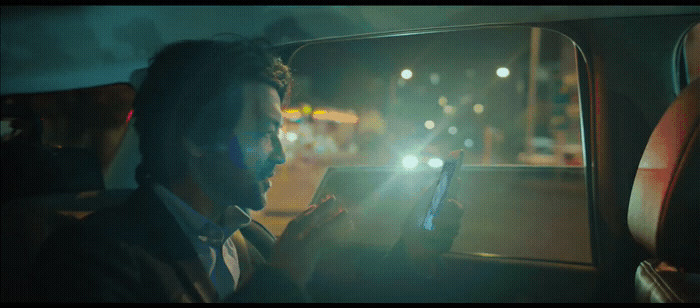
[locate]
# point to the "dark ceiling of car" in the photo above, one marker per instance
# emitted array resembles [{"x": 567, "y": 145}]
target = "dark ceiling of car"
[{"x": 62, "y": 47}]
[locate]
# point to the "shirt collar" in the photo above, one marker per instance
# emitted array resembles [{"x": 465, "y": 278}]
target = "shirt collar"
[{"x": 196, "y": 224}]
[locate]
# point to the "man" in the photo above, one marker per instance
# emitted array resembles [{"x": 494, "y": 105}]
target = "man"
[{"x": 208, "y": 115}]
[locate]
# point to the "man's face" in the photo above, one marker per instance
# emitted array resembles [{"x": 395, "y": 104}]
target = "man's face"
[
  {"x": 257, "y": 132},
  {"x": 238, "y": 173}
]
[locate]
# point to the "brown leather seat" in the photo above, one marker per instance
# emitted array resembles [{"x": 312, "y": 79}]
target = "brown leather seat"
[{"x": 664, "y": 209}]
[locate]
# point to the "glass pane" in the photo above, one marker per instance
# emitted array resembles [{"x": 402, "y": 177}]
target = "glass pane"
[
  {"x": 495, "y": 92},
  {"x": 508, "y": 96}
]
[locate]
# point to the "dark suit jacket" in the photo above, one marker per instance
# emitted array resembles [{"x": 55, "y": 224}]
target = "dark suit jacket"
[{"x": 136, "y": 252}]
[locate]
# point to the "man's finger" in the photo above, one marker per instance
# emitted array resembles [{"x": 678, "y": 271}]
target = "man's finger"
[
  {"x": 326, "y": 207},
  {"x": 332, "y": 227}
]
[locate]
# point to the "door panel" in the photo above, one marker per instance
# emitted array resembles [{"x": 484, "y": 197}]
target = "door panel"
[{"x": 524, "y": 235}]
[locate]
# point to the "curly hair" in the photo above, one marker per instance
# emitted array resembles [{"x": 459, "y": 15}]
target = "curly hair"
[{"x": 181, "y": 79}]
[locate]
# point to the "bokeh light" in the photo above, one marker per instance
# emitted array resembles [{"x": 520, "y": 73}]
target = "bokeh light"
[
  {"x": 291, "y": 137},
  {"x": 478, "y": 108},
  {"x": 448, "y": 109},
  {"x": 306, "y": 109},
  {"x": 435, "y": 78},
  {"x": 503, "y": 72},
  {"x": 442, "y": 101},
  {"x": 468, "y": 143},
  {"x": 410, "y": 162},
  {"x": 435, "y": 163}
]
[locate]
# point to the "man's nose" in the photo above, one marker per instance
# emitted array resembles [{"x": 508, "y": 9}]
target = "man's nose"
[{"x": 278, "y": 157}]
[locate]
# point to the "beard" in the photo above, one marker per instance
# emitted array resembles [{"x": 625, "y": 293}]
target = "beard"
[{"x": 226, "y": 184}]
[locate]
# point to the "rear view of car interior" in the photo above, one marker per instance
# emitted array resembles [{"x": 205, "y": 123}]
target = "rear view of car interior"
[{"x": 580, "y": 132}]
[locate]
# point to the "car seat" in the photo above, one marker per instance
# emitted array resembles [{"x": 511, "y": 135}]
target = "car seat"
[{"x": 664, "y": 208}]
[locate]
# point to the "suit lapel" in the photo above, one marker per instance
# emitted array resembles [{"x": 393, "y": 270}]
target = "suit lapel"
[{"x": 166, "y": 240}]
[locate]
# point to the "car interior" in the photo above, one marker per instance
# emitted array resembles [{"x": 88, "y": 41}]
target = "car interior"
[{"x": 580, "y": 128}]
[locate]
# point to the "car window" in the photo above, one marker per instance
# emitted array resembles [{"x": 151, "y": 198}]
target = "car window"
[
  {"x": 508, "y": 96},
  {"x": 476, "y": 95}
]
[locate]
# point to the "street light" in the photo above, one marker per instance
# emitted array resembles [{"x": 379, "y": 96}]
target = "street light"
[
  {"x": 406, "y": 74},
  {"x": 503, "y": 72}
]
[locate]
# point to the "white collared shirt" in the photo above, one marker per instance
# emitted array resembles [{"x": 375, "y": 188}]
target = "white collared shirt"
[{"x": 215, "y": 246}]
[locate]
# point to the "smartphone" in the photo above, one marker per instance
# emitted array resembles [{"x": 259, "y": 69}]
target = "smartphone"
[{"x": 449, "y": 168}]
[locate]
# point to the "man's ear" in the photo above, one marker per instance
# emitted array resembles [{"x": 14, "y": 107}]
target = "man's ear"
[{"x": 191, "y": 148}]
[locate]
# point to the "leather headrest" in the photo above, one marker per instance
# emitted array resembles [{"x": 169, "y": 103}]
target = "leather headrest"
[{"x": 665, "y": 201}]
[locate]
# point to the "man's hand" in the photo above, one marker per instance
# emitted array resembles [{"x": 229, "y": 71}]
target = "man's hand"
[
  {"x": 298, "y": 248},
  {"x": 423, "y": 247}
]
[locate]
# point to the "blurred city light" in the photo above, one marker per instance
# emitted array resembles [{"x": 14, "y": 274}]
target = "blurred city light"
[
  {"x": 468, "y": 143},
  {"x": 406, "y": 74},
  {"x": 448, "y": 109},
  {"x": 478, "y": 108},
  {"x": 442, "y": 101},
  {"x": 410, "y": 161},
  {"x": 452, "y": 130},
  {"x": 503, "y": 72},
  {"x": 429, "y": 124},
  {"x": 435, "y": 162},
  {"x": 306, "y": 109},
  {"x": 434, "y": 78},
  {"x": 291, "y": 114},
  {"x": 337, "y": 116},
  {"x": 291, "y": 137}
]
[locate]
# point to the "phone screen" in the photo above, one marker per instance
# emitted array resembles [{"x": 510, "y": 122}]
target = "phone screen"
[{"x": 438, "y": 200}]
